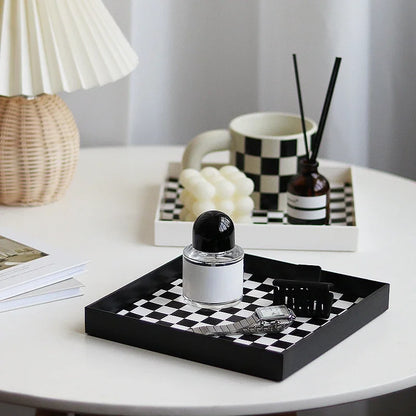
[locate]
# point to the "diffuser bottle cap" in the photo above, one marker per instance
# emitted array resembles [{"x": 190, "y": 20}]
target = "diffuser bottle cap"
[
  {"x": 213, "y": 232},
  {"x": 308, "y": 166}
]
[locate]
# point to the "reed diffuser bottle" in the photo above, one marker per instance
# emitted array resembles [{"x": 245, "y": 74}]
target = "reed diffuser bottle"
[
  {"x": 308, "y": 192},
  {"x": 308, "y": 196}
]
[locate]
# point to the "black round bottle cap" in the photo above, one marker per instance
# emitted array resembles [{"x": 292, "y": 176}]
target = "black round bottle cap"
[{"x": 213, "y": 232}]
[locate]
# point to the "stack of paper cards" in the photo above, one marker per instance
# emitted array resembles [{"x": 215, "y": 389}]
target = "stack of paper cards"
[{"x": 30, "y": 275}]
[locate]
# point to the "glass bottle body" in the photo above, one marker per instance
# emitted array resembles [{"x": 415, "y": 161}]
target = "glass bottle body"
[
  {"x": 213, "y": 279},
  {"x": 308, "y": 196}
]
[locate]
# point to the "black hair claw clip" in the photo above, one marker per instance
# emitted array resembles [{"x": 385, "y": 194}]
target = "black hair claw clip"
[{"x": 304, "y": 298}]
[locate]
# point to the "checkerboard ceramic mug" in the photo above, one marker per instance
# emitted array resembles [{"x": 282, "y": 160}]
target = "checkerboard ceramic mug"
[{"x": 265, "y": 146}]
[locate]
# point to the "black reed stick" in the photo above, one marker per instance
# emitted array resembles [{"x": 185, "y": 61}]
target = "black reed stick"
[
  {"x": 325, "y": 109},
  {"x": 302, "y": 116}
]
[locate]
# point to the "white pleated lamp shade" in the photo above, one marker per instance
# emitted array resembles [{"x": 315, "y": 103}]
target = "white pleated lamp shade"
[{"x": 49, "y": 46}]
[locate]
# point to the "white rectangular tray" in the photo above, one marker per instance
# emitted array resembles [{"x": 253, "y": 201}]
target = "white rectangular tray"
[{"x": 269, "y": 230}]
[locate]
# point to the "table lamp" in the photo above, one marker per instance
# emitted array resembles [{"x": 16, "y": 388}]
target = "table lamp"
[{"x": 46, "y": 47}]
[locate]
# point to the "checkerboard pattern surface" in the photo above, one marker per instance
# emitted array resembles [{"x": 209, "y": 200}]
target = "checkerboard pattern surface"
[
  {"x": 166, "y": 307},
  {"x": 341, "y": 205},
  {"x": 270, "y": 164}
]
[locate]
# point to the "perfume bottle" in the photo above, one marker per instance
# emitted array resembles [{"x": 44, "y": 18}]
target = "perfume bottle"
[
  {"x": 212, "y": 274},
  {"x": 308, "y": 196}
]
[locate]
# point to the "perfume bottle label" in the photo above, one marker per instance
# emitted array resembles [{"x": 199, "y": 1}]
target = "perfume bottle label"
[
  {"x": 306, "y": 207},
  {"x": 210, "y": 284}
]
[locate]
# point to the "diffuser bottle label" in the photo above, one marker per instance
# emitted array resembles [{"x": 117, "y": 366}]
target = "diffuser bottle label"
[{"x": 306, "y": 207}]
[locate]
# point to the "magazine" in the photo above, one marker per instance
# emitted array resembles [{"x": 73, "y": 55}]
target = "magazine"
[{"x": 25, "y": 267}]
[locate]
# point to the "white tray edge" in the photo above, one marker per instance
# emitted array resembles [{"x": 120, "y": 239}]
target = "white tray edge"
[{"x": 270, "y": 236}]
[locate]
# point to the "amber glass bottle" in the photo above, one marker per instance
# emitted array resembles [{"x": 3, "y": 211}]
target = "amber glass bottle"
[{"x": 308, "y": 196}]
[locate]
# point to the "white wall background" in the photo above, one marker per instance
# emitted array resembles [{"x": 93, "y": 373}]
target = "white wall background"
[
  {"x": 198, "y": 67},
  {"x": 202, "y": 62}
]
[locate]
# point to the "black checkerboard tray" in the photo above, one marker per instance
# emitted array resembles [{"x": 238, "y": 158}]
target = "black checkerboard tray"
[
  {"x": 150, "y": 313},
  {"x": 269, "y": 229}
]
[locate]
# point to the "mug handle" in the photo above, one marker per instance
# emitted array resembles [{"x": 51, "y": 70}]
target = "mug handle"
[{"x": 204, "y": 143}]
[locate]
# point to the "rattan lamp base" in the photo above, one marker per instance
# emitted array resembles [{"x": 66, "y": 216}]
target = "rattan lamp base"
[{"x": 39, "y": 147}]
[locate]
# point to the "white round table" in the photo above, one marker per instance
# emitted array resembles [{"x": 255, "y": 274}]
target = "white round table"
[{"x": 107, "y": 216}]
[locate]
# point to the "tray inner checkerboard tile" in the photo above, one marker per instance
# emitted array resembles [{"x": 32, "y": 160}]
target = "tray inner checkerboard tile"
[
  {"x": 166, "y": 307},
  {"x": 341, "y": 205}
]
